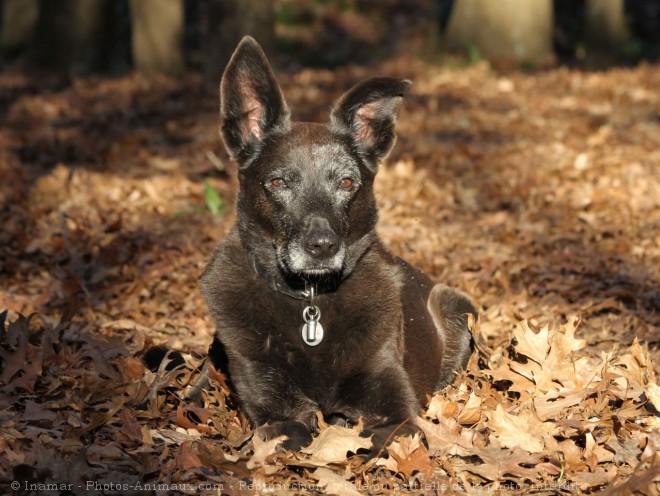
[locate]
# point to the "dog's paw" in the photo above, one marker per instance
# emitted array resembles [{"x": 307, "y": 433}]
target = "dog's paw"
[
  {"x": 381, "y": 437},
  {"x": 340, "y": 420},
  {"x": 298, "y": 434}
]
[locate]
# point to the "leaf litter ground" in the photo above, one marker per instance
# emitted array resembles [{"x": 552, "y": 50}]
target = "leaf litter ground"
[{"x": 538, "y": 194}]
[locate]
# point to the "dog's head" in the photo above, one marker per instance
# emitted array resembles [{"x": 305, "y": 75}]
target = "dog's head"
[{"x": 305, "y": 202}]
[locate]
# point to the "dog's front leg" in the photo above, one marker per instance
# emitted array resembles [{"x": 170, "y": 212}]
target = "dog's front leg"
[
  {"x": 273, "y": 401},
  {"x": 381, "y": 437},
  {"x": 385, "y": 400}
]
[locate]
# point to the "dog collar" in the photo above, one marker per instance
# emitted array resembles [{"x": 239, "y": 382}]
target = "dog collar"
[
  {"x": 311, "y": 330},
  {"x": 298, "y": 289}
]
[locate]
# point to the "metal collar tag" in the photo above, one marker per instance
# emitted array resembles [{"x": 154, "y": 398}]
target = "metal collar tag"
[{"x": 312, "y": 330}]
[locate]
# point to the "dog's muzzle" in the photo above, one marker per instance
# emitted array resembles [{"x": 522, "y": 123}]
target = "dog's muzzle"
[{"x": 317, "y": 251}]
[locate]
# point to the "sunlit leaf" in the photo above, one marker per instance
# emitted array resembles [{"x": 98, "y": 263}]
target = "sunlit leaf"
[{"x": 213, "y": 199}]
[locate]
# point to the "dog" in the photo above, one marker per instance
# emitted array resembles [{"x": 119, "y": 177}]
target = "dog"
[{"x": 312, "y": 311}]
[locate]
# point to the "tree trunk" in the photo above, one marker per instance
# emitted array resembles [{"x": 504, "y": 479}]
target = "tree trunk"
[
  {"x": 503, "y": 30},
  {"x": 229, "y": 21},
  {"x": 605, "y": 32},
  {"x": 19, "y": 18},
  {"x": 158, "y": 36},
  {"x": 78, "y": 37}
]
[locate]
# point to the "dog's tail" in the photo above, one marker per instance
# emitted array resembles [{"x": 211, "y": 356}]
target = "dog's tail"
[{"x": 450, "y": 309}]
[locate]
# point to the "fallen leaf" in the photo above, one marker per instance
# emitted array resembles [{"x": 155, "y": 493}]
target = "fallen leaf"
[
  {"x": 263, "y": 450},
  {"x": 186, "y": 457},
  {"x": 600, "y": 477},
  {"x": 333, "y": 483},
  {"x": 513, "y": 431},
  {"x": 470, "y": 412},
  {"x": 444, "y": 437},
  {"x": 407, "y": 456},
  {"x": 531, "y": 344},
  {"x": 653, "y": 395},
  {"x": 333, "y": 444}
]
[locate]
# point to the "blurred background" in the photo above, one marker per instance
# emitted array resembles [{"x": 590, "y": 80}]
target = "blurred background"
[{"x": 81, "y": 37}]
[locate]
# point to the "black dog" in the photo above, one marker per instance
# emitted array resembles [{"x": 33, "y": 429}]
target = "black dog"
[{"x": 312, "y": 311}]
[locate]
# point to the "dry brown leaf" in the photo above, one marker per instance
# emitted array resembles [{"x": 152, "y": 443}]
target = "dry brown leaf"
[
  {"x": 553, "y": 403},
  {"x": 571, "y": 454},
  {"x": 333, "y": 444},
  {"x": 531, "y": 344},
  {"x": 498, "y": 464},
  {"x": 182, "y": 421},
  {"x": 441, "y": 407},
  {"x": 444, "y": 437},
  {"x": 653, "y": 395},
  {"x": 470, "y": 412},
  {"x": 521, "y": 379},
  {"x": 552, "y": 361},
  {"x": 263, "y": 450},
  {"x": 23, "y": 365},
  {"x": 600, "y": 477},
  {"x": 636, "y": 365},
  {"x": 523, "y": 430},
  {"x": 595, "y": 453},
  {"x": 132, "y": 369},
  {"x": 130, "y": 427},
  {"x": 126, "y": 324},
  {"x": 410, "y": 456},
  {"x": 212, "y": 454},
  {"x": 36, "y": 412},
  {"x": 174, "y": 436},
  {"x": 333, "y": 483},
  {"x": 186, "y": 457},
  {"x": 625, "y": 451},
  {"x": 645, "y": 480}
]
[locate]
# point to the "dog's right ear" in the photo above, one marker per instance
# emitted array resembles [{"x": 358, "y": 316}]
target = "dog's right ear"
[{"x": 251, "y": 102}]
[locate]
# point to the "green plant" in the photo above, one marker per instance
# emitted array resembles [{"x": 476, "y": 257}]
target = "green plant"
[
  {"x": 213, "y": 199},
  {"x": 474, "y": 53}
]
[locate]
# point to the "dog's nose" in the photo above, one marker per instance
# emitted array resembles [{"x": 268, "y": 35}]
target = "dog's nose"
[
  {"x": 320, "y": 240},
  {"x": 322, "y": 243}
]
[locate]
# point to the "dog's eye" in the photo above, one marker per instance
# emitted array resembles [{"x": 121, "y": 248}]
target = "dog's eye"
[
  {"x": 346, "y": 183},
  {"x": 278, "y": 182}
]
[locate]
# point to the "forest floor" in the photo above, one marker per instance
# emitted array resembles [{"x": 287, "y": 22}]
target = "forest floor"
[{"x": 538, "y": 194}]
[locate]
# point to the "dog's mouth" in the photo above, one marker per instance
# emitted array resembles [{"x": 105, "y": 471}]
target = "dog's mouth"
[{"x": 295, "y": 260}]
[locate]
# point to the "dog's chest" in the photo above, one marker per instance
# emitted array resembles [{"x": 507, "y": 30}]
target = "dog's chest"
[
  {"x": 355, "y": 326},
  {"x": 285, "y": 327}
]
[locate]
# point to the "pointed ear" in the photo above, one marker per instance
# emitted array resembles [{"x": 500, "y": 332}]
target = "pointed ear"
[
  {"x": 368, "y": 112},
  {"x": 251, "y": 102}
]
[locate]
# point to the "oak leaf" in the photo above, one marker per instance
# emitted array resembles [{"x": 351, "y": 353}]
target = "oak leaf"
[
  {"x": 263, "y": 450},
  {"x": 186, "y": 457},
  {"x": 408, "y": 455},
  {"x": 445, "y": 437},
  {"x": 531, "y": 344},
  {"x": 513, "y": 431},
  {"x": 333, "y": 483},
  {"x": 333, "y": 444}
]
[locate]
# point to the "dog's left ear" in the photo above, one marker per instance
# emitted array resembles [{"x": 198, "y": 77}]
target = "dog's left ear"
[{"x": 368, "y": 112}]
